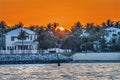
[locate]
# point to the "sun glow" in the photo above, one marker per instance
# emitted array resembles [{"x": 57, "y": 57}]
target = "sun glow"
[{"x": 60, "y": 28}]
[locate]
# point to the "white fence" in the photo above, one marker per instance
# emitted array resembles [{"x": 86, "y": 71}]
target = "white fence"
[
  {"x": 18, "y": 51},
  {"x": 34, "y": 51}
]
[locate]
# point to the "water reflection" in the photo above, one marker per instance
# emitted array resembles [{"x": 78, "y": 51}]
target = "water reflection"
[{"x": 75, "y": 71}]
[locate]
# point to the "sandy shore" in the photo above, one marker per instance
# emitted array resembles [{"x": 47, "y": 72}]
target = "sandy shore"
[{"x": 67, "y": 71}]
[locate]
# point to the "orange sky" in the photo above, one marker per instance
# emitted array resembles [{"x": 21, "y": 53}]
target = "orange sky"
[{"x": 65, "y": 12}]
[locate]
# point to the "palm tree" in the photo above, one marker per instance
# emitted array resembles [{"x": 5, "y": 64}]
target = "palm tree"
[
  {"x": 2, "y": 31},
  {"x": 52, "y": 27},
  {"x": 98, "y": 34},
  {"x": 114, "y": 40},
  {"x": 22, "y": 36},
  {"x": 45, "y": 38},
  {"x": 103, "y": 25},
  {"x": 109, "y": 23},
  {"x": 102, "y": 34},
  {"x": 71, "y": 42},
  {"x": 117, "y": 24},
  {"x": 89, "y": 26},
  {"x": 18, "y": 25},
  {"x": 76, "y": 28},
  {"x": 86, "y": 43}
]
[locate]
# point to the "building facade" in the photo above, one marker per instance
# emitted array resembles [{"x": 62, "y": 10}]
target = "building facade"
[
  {"x": 13, "y": 43},
  {"x": 113, "y": 33}
]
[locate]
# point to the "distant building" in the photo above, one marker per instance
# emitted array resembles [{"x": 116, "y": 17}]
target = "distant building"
[
  {"x": 13, "y": 43},
  {"x": 113, "y": 33},
  {"x": 57, "y": 50},
  {"x": 112, "y": 38}
]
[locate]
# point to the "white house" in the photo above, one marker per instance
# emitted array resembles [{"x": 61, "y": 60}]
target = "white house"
[
  {"x": 57, "y": 50},
  {"x": 13, "y": 43},
  {"x": 111, "y": 38},
  {"x": 113, "y": 33}
]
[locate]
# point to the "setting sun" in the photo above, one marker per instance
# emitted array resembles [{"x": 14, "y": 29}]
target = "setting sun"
[{"x": 60, "y": 28}]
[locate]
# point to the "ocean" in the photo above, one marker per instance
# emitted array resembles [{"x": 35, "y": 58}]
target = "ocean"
[{"x": 67, "y": 71}]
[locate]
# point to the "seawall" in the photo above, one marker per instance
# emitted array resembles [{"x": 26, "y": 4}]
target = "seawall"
[{"x": 96, "y": 56}]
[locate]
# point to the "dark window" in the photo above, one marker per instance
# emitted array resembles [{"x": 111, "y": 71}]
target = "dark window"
[
  {"x": 8, "y": 48},
  {"x": 31, "y": 37},
  {"x": 15, "y": 47},
  {"x": 28, "y": 37},
  {"x": 12, "y": 38}
]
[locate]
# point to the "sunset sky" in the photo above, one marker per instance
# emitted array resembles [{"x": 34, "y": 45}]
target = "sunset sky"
[{"x": 65, "y": 12}]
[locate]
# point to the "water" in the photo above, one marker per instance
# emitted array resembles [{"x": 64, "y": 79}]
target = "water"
[{"x": 71, "y": 71}]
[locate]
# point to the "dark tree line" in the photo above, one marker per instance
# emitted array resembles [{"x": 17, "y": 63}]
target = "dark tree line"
[{"x": 78, "y": 38}]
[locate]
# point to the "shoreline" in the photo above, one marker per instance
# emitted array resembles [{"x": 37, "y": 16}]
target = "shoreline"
[{"x": 51, "y": 62}]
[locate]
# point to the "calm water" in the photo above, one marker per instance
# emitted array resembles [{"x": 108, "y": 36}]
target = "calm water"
[{"x": 74, "y": 71}]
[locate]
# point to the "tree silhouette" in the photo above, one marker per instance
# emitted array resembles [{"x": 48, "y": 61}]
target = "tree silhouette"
[
  {"x": 109, "y": 23},
  {"x": 45, "y": 38},
  {"x": 76, "y": 28},
  {"x": 3, "y": 26},
  {"x": 22, "y": 36},
  {"x": 117, "y": 24}
]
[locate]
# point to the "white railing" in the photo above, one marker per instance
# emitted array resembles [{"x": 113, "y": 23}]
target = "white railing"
[
  {"x": 29, "y": 51},
  {"x": 18, "y": 51}
]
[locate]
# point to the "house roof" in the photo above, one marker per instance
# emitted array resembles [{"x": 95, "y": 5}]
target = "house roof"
[{"x": 18, "y": 30}]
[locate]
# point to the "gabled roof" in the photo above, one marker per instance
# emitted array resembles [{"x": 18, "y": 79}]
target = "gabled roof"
[{"x": 18, "y": 30}]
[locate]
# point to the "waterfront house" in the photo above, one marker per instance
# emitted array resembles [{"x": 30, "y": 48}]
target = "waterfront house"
[
  {"x": 14, "y": 43},
  {"x": 113, "y": 34}
]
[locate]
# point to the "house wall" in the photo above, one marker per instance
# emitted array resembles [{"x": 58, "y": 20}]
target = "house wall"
[
  {"x": 112, "y": 31},
  {"x": 9, "y": 42}
]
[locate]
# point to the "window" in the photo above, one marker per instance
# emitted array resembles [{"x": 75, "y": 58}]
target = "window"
[
  {"x": 30, "y": 37},
  {"x": 30, "y": 47},
  {"x": 12, "y": 38},
  {"x": 19, "y": 47},
  {"x": 8, "y": 48},
  {"x": 26, "y": 47}
]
